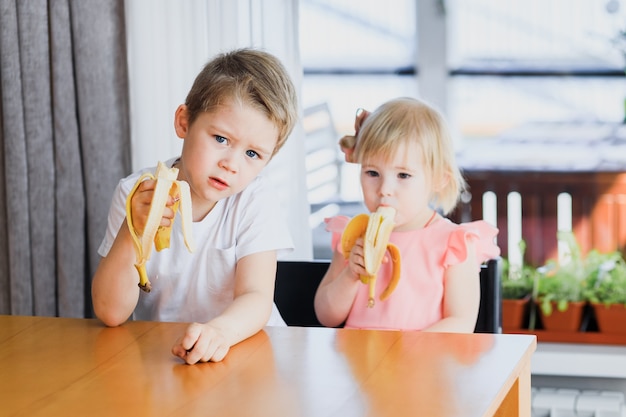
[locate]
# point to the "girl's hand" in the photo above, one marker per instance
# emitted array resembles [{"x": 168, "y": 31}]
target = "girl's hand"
[
  {"x": 361, "y": 115},
  {"x": 348, "y": 142},
  {"x": 356, "y": 260},
  {"x": 201, "y": 343}
]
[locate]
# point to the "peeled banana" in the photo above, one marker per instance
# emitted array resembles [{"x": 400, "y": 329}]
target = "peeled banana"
[
  {"x": 166, "y": 185},
  {"x": 375, "y": 229}
]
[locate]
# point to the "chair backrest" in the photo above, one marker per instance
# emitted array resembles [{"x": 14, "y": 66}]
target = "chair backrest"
[
  {"x": 490, "y": 311},
  {"x": 297, "y": 282}
]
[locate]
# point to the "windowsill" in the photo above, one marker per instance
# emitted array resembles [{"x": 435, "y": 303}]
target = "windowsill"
[
  {"x": 579, "y": 360},
  {"x": 579, "y": 338}
]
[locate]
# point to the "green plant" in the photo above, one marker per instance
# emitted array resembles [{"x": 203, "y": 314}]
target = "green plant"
[
  {"x": 517, "y": 280},
  {"x": 562, "y": 281},
  {"x": 606, "y": 278}
]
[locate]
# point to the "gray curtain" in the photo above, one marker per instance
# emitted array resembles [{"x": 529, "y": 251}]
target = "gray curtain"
[{"x": 64, "y": 133}]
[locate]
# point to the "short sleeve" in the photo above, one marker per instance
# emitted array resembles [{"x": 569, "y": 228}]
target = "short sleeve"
[
  {"x": 336, "y": 226},
  {"x": 481, "y": 233}
]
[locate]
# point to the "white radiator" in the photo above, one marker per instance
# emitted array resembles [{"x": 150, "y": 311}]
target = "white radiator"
[{"x": 559, "y": 402}]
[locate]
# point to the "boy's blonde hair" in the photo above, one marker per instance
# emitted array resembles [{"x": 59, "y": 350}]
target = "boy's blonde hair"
[
  {"x": 248, "y": 76},
  {"x": 410, "y": 121}
]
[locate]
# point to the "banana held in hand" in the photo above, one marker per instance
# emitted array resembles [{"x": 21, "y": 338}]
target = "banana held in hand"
[
  {"x": 375, "y": 230},
  {"x": 166, "y": 185}
]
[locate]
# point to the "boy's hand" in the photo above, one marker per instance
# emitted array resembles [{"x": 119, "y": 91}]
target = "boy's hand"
[
  {"x": 141, "y": 203},
  {"x": 201, "y": 343}
]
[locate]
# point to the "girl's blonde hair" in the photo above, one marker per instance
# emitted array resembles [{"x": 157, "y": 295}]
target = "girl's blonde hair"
[{"x": 405, "y": 121}]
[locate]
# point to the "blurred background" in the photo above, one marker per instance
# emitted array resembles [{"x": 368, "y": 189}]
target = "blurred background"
[
  {"x": 491, "y": 66},
  {"x": 509, "y": 62}
]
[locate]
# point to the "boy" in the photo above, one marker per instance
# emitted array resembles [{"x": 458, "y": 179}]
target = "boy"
[{"x": 237, "y": 115}]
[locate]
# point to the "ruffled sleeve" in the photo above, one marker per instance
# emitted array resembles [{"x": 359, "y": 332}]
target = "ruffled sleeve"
[
  {"x": 336, "y": 225},
  {"x": 481, "y": 233}
]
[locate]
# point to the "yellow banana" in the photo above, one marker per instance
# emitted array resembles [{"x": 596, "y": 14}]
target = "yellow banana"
[
  {"x": 166, "y": 185},
  {"x": 375, "y": 230}
]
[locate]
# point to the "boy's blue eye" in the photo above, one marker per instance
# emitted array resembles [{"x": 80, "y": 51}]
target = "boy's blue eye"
[
  {"x": 371, "y": 173},
  {"x": 252, "y": 154},
  {"x": 404, "y": 175},
  {"x": 220, "y": 139}
]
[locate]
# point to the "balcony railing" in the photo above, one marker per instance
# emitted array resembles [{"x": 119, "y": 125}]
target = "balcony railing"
[{"x": 586, "y": 162}]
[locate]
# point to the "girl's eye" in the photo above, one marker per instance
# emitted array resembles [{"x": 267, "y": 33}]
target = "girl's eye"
[
  {"x": 404, "y": 175},
  {"x": 371, "y": 173},
  {"x": 220, "y": 139},
  {"x": 252, "y": 154}
]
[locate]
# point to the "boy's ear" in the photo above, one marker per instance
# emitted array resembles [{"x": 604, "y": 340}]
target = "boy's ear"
[{"x": 181, "y": 121}]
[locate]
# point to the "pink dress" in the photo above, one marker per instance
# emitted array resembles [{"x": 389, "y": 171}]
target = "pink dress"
[{"x": 417, "y": 301}]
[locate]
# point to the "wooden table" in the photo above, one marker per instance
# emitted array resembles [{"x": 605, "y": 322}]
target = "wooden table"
[{"x": 77, "y": 367}]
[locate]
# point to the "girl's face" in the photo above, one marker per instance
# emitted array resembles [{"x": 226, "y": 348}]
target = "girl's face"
[
  {"x": 224, "y": 150},
  {"x": 401, "y": 183}
]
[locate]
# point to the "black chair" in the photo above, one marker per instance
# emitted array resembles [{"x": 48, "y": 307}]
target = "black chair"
[
  {"x": 490, "y": 310},
  {"x": 297, "y": 281},
  {"x": 294, "y": 291}
]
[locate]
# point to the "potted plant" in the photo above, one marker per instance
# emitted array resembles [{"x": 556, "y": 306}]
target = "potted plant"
[
  {"x": 605, "y": 289},
  {"x": 517, "y": 286},
  {"x": 559, "y": 291}
]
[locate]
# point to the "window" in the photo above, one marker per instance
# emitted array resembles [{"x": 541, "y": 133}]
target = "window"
[
  {"x": 515, "y": 61},
  {"x": 509, "y": 62}
]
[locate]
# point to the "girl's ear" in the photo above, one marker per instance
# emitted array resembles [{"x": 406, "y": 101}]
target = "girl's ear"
[{"x": 181, "y": 121}]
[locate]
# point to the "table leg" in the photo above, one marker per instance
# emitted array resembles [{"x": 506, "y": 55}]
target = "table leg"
[{"x": 518, "y": 400}]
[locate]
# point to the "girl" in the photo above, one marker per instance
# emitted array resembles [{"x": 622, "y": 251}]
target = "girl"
[{"x": 407, "y": 162}]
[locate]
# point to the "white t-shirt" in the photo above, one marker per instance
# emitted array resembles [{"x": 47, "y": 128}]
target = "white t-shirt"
[{"x": 198, "y": 286}]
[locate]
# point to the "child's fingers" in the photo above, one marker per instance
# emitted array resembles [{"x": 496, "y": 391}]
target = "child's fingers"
[
  {"x": 168, "y": 217},
  {"x": 220, "y": 353},
  {"x": 188, "y": 345},
  {"x": 178, "y": 350},
  {"x": 191, "y": 336},
  {"x": 146, "y": 185},
  {"x": 361, "y": 115},
  {"x": 195, "y": 354},
  {"x": 201, "y": 343},
  {"x": 171, "y": 200},
  {"x": 214, "y": 351}
]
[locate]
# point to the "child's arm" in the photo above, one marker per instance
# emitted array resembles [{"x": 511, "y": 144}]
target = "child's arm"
[
  {"x": 114, "y": 289},
  {"x": 335, "y": 294},
  {"x": 461, "y": 298},
  {"x": 248, "y": 313}
]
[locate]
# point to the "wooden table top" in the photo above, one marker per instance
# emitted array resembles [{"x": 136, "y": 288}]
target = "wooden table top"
[{"x": 78, "y": 367}]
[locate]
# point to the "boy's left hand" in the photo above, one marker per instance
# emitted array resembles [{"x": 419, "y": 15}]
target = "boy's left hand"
[{"x": 201, "y": 343}]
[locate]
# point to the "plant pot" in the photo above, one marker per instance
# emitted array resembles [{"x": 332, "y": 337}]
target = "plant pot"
[
  {"x": 563, "y": 321},
  {"x": 611, "y": 318},
  {"x": 514, "y": 313}
]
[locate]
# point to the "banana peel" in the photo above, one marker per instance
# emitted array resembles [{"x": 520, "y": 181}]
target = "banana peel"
[
  {"x": 154, "y": 233},
  {"x": 375, "y": 229}
]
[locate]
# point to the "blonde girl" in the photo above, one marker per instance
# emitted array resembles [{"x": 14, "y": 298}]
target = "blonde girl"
[{"x": 407, "y": 162}]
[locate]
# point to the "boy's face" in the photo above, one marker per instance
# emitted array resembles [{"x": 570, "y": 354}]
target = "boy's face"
[
  {"x": 223, "y": 151},
  {"x": 401, "y": 183}
]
